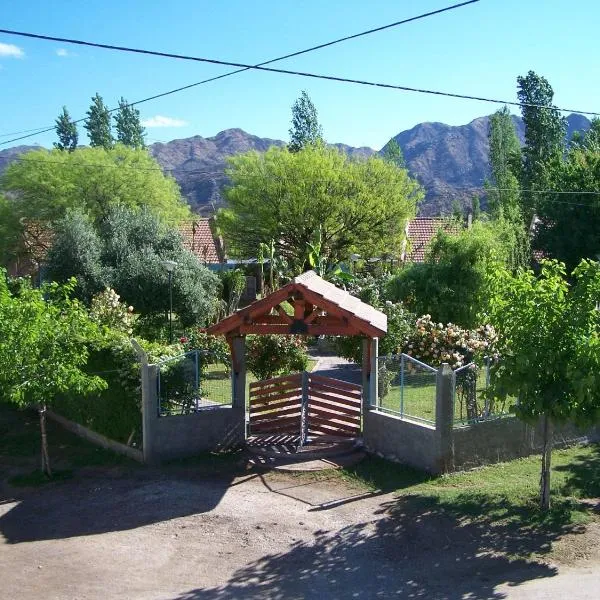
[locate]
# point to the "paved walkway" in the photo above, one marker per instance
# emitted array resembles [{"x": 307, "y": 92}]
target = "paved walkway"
[{"x": 337, "y": 367}]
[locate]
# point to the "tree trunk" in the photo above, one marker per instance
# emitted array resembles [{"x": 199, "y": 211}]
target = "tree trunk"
[
  {"x": 45, "y": 458},
  {"x": 546, "y": 456}
]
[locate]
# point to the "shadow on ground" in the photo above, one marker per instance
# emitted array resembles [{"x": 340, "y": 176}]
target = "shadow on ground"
[
  {"x": 582, "y": 475},
  {"x": 416, "y": 547}
]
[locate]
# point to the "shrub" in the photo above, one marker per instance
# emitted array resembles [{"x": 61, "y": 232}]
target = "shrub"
[
  {"x": 270, "y": 355},
  {"x": 214, "y": 348},
  {"x": 108, "y": 311}
]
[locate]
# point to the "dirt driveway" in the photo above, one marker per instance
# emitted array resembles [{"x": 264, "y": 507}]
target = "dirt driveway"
[{"x": 151, "y": 535}]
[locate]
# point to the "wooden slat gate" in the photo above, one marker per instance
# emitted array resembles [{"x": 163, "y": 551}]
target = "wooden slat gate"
[{"x": 309, "y": 406}]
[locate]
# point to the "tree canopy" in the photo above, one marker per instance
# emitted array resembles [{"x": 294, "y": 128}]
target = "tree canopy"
[
  {"x": 66, "y": 131},
  {"x": 549, "y": 340},
  {"x": 97, "y": 124},
  {"x": 291, "y": 198},
  {"x": 305, "y": 130},
  {"x": 128, "y": 125}
]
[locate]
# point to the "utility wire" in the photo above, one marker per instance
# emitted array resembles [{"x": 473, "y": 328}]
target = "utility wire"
[
  {"x": 241, "y": 70},
  {"x": 245, "y": 66}
]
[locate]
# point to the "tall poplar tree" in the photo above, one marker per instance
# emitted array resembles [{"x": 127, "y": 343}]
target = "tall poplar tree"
[
  {"x": 505, "y": 158},
  {"x": 128, "y": 125},
  {"x": 305, "y": 129},
  {"x": 98, "y": 124},
  {"x": 66, "y": 130},
  {"x": 545, "y": 132}
]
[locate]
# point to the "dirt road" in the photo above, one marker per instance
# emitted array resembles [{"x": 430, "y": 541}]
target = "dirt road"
[{"x": 176, "y": 536}]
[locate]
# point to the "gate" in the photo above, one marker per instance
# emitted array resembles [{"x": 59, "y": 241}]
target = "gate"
[{"x": 310, "y": 407}]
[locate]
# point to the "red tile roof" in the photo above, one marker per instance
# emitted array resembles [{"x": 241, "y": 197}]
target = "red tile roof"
[
  {"x": 422, "y": 230},
  {"x": 198, "y": 238}
]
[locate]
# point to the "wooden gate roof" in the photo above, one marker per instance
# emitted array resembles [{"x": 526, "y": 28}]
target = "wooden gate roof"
[{"x": 319, "y": 308}]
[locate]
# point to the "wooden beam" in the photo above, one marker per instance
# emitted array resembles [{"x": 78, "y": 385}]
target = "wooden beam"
[
  {"x": 299, "y": 306},
  {"x": 283, "y": 314}
]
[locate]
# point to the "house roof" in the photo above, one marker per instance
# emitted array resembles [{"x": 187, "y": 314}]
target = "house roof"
[
  {"x": 421, "y": 232},
  {"x": 319, "y": 308},
  {"x": 198, "y": 239}
]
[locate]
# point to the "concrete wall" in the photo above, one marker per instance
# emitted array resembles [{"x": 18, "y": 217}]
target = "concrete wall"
[
  {"x": 180, "y": 436},
  {"x": 507, "y": 438},
  {"x": 401, "y": 440}
]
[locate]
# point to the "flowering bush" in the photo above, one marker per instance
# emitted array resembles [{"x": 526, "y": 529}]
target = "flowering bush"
[
  {"x": 271, "y": 355},
  {"x": 107, "y": 310},
  {"x": 435, "y": 343}
]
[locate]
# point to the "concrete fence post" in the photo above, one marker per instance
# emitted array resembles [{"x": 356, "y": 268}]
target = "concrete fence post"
[
  {"x": 444, "y": 418},
  {"x": 149, "y": 382},
  {"x": 374, "y": 379},
  {"x": 238, "y": 372}
]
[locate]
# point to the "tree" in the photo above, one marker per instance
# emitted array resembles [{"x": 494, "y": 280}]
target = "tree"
[
  {"x": 76, "y": 252},
  {"x": 475, "y": 208},
  {"x": 505, "y": 158},
  {"x": 544, "y": 136},
  {"x": 44, "y": 185},
  {"x": 129, "y": 127},
  {"x": 305, "y": 129},
  {"x": 98, "y": 124},
  {"x": 569, "y": 223},
  {"x": 359, "y": 206},
  {"x": 549, "y": 341},
  {"x": 126, "y": 251},
  {"x": 451, "y": 284},
  {"x": 42, "y": 348},
  {"x": 66, "y": 130},
  {"x": 393, "y": 153}
]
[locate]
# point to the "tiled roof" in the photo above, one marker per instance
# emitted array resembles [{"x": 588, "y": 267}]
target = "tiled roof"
[
  {"x": 198, "y": 238},
  {"x": 422, "y": 230}
]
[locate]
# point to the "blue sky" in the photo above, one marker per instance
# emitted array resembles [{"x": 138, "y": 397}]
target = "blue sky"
[{"x": 479, "y": 49}]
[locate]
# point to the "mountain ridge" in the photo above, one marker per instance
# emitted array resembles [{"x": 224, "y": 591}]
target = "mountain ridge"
[{"x": 450, "y": 161}]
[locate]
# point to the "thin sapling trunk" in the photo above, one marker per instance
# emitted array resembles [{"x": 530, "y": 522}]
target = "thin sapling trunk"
[
  {"x": 45, "y": 457},
  {"x": 546, "y": 457}
]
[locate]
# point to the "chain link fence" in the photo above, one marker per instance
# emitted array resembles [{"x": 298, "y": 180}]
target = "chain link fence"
[
  {"x": 191, "y": 382},
  {"x": 407, "y": 388}
]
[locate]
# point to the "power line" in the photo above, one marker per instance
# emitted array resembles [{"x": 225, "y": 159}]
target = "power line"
[{"x": 241, "y": 70}]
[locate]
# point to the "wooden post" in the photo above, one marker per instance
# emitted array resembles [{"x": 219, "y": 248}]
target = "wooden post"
[{"x": 238, "y": 371}]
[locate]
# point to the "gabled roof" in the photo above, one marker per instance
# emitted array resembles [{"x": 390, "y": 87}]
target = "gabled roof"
[
  {"x": 198, "y": 239},
  {"x": 320, "y": 308},
  {"x": 421, "y": 232}
]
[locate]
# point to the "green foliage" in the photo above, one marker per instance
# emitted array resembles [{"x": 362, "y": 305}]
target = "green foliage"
[
  {"x": 359, "y": 206},
  {"x": 42, "y": 350},
  {"x": 271, "y": 355},
  {"x": 505, "y": 162},
  {"x": 46, "y": 184},
  {"x": 475, "y": 208},
  {"x": 128, "y": 125},
  {"x": 549, "y": 334},
  {"x": 66, "y": 131},
  {"x": 98, "y": 124},
  {"x": 544, "y": 135},
  {"x": 76, "y": 252},
  {"x": 393, "y": 153},
  {"x": 451, "y": 284},
  {"x": 401, "y": 324},
  {"x": 305, "y": 130},
  {"x": 128, "y": 253},
  {"x": 213, "y": 348},
  {"x": 569, "y": 224},
  {"x": 233, "y": 284}
]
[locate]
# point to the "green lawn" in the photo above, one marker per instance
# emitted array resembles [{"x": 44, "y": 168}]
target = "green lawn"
[{"x": 504, "y": 493}]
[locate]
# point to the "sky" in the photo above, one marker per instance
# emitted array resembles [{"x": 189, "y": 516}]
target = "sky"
[{"x": 479, "y": 49}]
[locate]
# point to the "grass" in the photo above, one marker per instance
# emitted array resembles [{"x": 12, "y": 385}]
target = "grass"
[
  {"x": 502, "y": 493},
  {"x": 20, "y": 449}
]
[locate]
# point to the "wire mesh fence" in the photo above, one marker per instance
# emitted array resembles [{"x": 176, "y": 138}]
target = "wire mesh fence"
[
  {"x": 472, "y": 398},
  {"x": 407, "y": 387},
  {"x": 190, "y": 382}
]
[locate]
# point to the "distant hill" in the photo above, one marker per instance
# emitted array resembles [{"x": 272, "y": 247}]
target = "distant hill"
[{"x": 451, "y": 162}]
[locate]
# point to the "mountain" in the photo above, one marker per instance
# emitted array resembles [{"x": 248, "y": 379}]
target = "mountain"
[{"x": 451, "y": 162}]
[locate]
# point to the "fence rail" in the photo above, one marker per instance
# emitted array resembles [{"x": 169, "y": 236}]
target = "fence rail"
[{"x": 407, "y": 388}]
